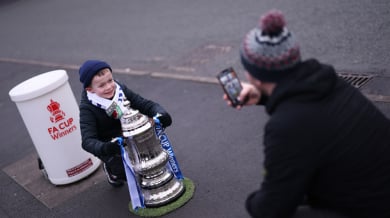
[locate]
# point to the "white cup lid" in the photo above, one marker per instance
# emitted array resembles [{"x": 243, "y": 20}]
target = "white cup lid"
[{"x": 38, "y": 85}]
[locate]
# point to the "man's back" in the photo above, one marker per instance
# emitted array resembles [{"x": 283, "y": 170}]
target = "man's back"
[
  {"x": 331, "y": 138},
  {"x": 355, "y": 171}
]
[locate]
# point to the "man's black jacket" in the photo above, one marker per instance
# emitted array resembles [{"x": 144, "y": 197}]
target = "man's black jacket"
[{"x": 324, "y": 141}]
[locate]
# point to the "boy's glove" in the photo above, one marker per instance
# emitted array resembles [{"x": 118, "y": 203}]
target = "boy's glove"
[
  {"x": 111, "y": 148},
  {"x": 165, "y": 119}
]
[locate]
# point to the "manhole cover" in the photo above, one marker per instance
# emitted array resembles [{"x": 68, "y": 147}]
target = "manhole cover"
[
  {"x": 356, "y": 80},
  {"x": 359, "y": 80}
]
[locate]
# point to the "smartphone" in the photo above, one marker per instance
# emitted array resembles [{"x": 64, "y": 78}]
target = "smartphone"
[{"x": 231, "y": 85}]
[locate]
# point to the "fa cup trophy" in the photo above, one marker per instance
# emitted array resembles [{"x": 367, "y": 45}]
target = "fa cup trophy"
[{"x": 155, "y": 179}]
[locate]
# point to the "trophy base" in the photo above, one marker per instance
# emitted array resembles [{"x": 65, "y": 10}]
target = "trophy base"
[{"x": 189, "y": 189}]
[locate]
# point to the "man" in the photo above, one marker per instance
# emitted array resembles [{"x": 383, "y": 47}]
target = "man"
[{"x": 325, "y": 144}]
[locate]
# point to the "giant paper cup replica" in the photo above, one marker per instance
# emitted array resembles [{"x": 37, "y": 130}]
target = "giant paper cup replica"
[{"x": 50, "y": 113}]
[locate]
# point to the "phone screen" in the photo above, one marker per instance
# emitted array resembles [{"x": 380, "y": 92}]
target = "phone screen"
[{"x": 230, "y": 84}]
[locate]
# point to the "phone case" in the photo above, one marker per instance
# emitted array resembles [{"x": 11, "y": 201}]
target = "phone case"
[{"x": 231, "y": 84}]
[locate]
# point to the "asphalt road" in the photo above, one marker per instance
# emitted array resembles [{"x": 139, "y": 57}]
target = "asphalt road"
[
  {"x": 216, "y": 146},
  {"x": 190, "y": 37}
]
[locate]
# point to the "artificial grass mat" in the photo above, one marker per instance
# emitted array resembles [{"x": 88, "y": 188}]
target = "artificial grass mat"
[{"x": 160, "y": 211}]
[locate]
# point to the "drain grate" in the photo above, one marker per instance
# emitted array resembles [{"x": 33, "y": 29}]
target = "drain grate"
[{"x": 356, "y": 80}]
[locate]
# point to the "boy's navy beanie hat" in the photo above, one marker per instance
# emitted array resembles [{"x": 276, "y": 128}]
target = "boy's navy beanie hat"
[{"x": 89, "y": 69}]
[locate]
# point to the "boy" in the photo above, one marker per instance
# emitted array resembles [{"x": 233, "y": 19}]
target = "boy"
[{"x": 98, "y": 125}]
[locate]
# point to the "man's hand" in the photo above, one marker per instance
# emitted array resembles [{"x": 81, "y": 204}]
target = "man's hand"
[{"x": 249, "y": 95}]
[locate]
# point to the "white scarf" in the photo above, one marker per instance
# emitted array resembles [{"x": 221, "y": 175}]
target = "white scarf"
[{"x": 114, "y": 108}]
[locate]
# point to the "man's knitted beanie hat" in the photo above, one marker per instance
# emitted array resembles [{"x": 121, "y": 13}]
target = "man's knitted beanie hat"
[
  {"x": 270, "y": 50},
  {"x": 89, "y": 69}
]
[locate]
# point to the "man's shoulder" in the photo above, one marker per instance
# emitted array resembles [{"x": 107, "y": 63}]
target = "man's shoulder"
[{"x": 293, "y": 119}]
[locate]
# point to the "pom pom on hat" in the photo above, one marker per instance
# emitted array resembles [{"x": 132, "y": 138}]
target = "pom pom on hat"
[
  {"x": 89, "y": 69},
  {"x": 270, "y": 50},
  {"x": 272, "y": 23}
]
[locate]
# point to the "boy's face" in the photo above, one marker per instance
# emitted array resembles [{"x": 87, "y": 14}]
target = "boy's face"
[{"x": 103, "y": 84}]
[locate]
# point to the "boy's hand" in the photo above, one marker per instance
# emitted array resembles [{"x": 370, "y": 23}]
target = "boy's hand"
[
  {"x": 165, "y": 119},
  {"x": 111, "y": 148}
]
